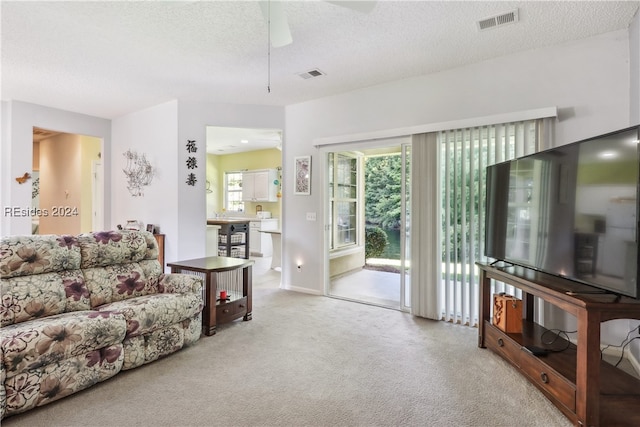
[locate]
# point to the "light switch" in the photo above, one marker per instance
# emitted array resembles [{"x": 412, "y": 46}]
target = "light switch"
[{"x": 311, "y": 216}]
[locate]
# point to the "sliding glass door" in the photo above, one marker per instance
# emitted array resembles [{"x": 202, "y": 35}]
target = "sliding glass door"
[{"x": 367, "y": 227}]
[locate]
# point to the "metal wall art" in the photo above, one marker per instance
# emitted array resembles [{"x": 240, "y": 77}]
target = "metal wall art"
[{"x": 138, "y": 171}]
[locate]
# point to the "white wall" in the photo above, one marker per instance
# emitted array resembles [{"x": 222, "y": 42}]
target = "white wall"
[
  {"x": 18, "y": 120},
  {"x": 154, "y": 133},
  {"x": 587, "y": 80},
  {"x": 5, "y": 166}
]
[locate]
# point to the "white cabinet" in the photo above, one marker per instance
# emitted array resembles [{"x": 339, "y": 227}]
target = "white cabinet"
[
  {"x": 260, "y": 243},
  {"x": 260, "y": 186}
]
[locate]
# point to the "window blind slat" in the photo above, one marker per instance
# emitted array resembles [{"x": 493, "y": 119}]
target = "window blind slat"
[{"x": 465, "y": 155}]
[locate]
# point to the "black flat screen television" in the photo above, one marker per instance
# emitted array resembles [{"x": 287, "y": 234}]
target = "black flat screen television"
[{"x": 571, "y": 211}]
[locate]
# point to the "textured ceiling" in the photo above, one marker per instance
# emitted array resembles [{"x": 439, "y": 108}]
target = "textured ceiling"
[{"x": 108, "y": 59}]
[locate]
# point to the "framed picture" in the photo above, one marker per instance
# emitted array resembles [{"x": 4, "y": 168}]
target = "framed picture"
[{"x": 303, "y": 176}]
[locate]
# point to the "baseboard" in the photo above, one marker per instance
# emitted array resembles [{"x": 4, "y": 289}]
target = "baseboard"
[
  {"x": 301, "y": 290},
  {"x": 616, "y": 352}
]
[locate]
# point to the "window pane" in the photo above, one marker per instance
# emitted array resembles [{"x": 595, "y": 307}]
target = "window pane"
[
  {"x": 344, "y": 193},
  {"x": 346, "y": 223},
  {"x": 347, "y": 191},
  {"x": 233, "y": 193},
  {"x": 235, "y": 181}
]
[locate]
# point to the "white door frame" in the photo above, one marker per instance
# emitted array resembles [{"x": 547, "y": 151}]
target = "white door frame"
[
  {"x": 401, "y": 141},
  {"x": 97, "y": 195}
]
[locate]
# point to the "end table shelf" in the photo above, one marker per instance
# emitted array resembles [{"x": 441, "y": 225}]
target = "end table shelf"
[
  {"x": 215, "y": 312},
  {"x": 589, "y": 391}
]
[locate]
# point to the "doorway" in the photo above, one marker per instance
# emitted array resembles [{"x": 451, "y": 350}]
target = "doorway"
[
  {"x": 244, "y": 173},
  {"x": 367, "y": 233},
  {"x": 67, "y": 181}
]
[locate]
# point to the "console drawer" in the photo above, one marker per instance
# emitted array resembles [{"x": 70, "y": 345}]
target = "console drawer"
[
  {"x": 548, "y": 380},
  {"x": 497, "y": 341},
  {"x": 231, "y": 310}
]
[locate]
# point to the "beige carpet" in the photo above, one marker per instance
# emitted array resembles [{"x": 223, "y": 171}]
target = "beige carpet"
[{"x": 314, "y": 361}]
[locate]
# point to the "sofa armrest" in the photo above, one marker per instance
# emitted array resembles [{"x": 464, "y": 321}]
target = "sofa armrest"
[{"x": 180, "y": 283}]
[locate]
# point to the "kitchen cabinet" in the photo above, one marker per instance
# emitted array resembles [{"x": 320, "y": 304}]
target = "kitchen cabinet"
[
  {"x": 259, "y": 185},
  {"x": 260, "y": 243}
]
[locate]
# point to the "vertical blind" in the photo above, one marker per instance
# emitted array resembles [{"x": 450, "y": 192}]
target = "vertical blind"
[{"x": 464, "y": 155}]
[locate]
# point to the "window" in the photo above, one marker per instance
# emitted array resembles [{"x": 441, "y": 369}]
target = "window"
[
  {"x": 344, "y": 195},
  {"x": 233, "y": 192}
]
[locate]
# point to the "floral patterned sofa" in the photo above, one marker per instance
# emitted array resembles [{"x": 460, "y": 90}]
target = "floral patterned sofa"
[{"x": 76, "y": 310}]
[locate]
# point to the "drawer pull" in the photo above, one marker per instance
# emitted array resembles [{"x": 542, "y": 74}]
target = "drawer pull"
[
  {"x": 240, "y": 306},
  {"x": 226, "y": 310},
  {"x": 544, "y": 377},
  {"x": 500, "y": 342}
]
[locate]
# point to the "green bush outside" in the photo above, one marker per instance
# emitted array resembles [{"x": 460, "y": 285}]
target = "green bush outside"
[{"x": 375, "y": 241}]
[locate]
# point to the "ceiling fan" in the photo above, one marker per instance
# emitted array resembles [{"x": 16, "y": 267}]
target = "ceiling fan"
[{"x": 279, "y": 32}]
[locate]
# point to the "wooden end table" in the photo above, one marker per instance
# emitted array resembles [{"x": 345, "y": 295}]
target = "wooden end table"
[{"x": 239, "y": 303}]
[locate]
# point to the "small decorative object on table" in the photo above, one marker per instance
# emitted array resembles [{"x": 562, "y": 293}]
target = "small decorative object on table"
[
  {"x": 507, "y": 313},
  {"x": 132, "y": 224}
]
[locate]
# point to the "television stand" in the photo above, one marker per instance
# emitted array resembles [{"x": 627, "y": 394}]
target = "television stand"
[{"x": 589, "y": 391}]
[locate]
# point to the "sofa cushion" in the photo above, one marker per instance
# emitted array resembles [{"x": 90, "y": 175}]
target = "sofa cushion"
[
  {"x": 122, "y": 281},
  {"x": 47, "y": 383},
  {"x": 39, "y": 295},
  {"x": 30, "y": 345},
  {"x": 149, "y": 313},
  {"x": 104, "y": 248},
  {"x": 29, "y": 255},
  {"x": 143, "y": 349}
]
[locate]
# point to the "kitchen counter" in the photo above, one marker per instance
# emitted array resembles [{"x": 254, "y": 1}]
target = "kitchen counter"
[
  {"x": 276, "y": 248},
  {"x": 227, "y": 221},
  {"x": 260, "y": 243}
]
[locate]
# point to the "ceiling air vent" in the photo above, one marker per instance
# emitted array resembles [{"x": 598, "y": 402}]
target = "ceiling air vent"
[
  {"x": 311, "y": 74},
  {"x": 498, "y": 20}
]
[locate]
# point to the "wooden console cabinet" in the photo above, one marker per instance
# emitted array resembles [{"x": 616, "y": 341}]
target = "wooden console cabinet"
[{"x": 589, "y": 391}]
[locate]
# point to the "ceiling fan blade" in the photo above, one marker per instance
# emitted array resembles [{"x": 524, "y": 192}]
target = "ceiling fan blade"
[
  {"x": 360, "y": 6},
  {"x": 279, "y": 27}
]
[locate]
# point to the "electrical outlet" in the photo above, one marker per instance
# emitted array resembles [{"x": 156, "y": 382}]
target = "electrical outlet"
[{"x": 311, "y": 216}]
